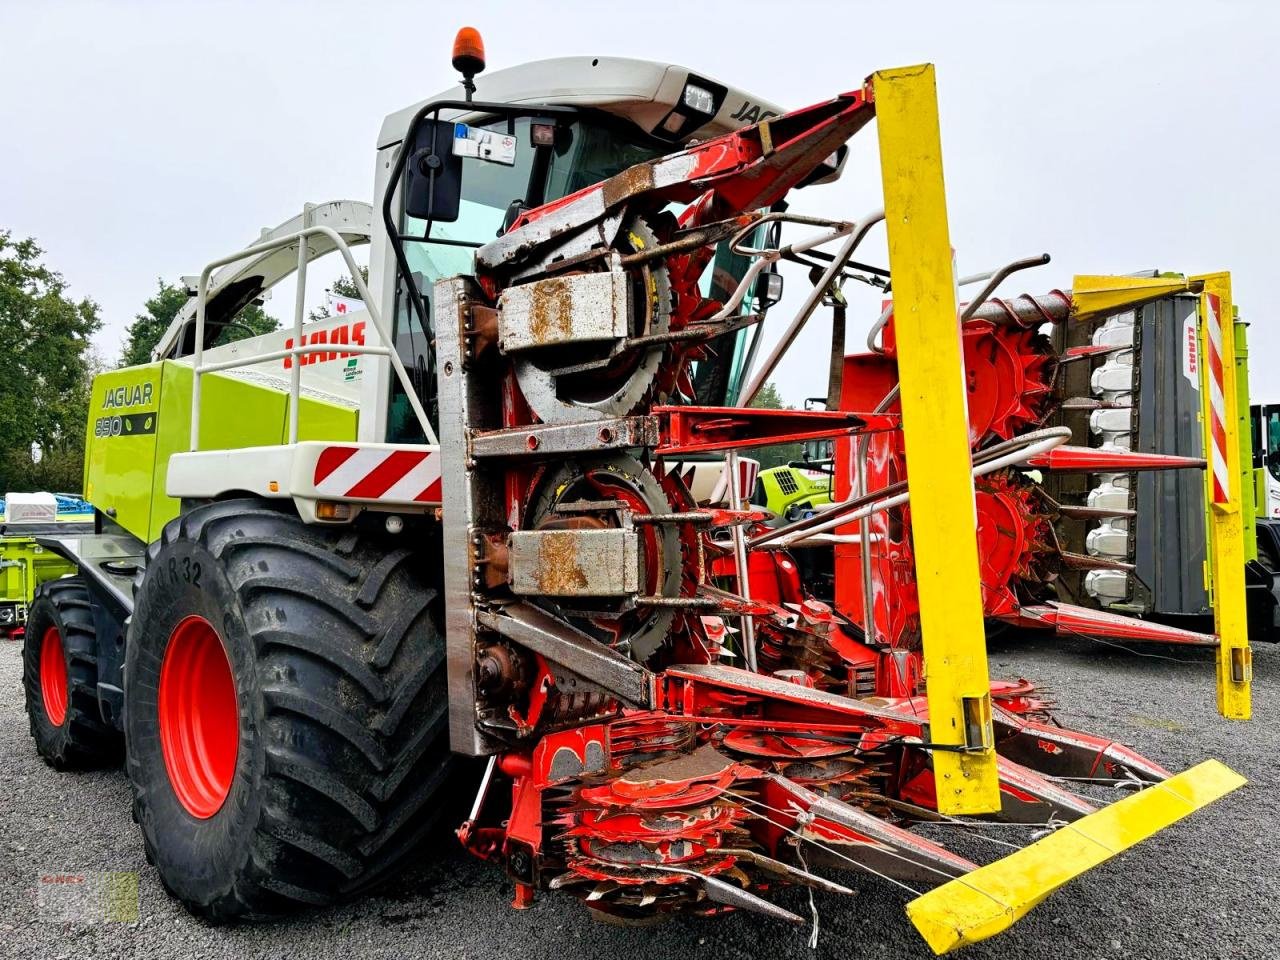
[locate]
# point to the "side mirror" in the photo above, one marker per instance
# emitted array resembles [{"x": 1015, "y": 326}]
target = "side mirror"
[
  {"x": 515, "y": 209},
  {"x": 433, "y": 174},
  {"x": 828, "y": 170}
]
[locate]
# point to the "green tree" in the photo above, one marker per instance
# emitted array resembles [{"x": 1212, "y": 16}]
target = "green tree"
[
  {"x": 44, "y": 392},
  {"x": 158, "y": 312},
  {"x": 768, "y": 398},
  {"x": 344, "y": 286}
]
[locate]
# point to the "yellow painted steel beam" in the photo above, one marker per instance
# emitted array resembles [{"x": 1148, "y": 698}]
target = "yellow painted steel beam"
[
  {"x": 1226, "y": 525},
  {"x": 1093, "y": 297},
  {"x": 935, "y": 421},
  {"x": 1244, "y": 429},
  {"x": 991, "y": 899}
]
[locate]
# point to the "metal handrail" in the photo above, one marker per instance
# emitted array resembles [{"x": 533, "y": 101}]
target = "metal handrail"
[
  {"x": 853, "y": 230},
  {"x": 988, "y": 460},
  {"x": 199, "y": 367}
]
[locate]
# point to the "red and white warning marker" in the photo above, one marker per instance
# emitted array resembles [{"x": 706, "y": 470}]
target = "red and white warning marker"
[
  {"x": 1217, "y": 401},
  {"x": 377, "y": 473}
]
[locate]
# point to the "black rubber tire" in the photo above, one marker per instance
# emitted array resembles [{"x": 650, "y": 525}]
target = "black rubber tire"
[
  {"x": 83, "y": 740},
  {"x": 339, "y": 669}
]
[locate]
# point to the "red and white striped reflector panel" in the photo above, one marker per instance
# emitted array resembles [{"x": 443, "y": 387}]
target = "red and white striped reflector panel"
[
  {"x": 748, "y": 471},
  {"x": 1217, "y": 402},
  {"x": 368, "y": 473}
]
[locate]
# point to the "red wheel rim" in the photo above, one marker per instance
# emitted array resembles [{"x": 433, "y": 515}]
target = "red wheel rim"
[
  {"x": 53, "y": 677},
  {"x": 199, "y": 722}
]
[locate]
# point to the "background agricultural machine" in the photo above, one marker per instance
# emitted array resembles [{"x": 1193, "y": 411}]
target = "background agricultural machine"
[
  {"x": 25, "y": 563},
  {"x": 309, "y": 605},
  {"x": 1264, "y": 430}
]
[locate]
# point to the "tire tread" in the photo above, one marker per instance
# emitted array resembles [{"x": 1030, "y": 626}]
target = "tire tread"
[{"x": 368, "y": 763}]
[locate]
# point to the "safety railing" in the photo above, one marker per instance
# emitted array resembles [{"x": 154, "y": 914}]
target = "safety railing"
[{"x": 382, "y": 349}]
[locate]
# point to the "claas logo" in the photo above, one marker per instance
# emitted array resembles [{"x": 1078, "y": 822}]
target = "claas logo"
[{"x": 352, "y": 333}]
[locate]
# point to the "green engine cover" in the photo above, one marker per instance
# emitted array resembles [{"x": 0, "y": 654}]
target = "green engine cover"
[{"x": 141, "y": 416}]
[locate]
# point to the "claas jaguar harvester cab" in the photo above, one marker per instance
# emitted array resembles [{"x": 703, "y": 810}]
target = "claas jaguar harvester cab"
[{"x": 331, "y": 567}]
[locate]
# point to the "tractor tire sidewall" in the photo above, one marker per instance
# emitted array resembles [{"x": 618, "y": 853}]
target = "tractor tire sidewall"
[
  {"x": 82, "y": 740},
  {"x": 52, "y": 740},
  {"x": 183, "y": 579},
  {"x": 342, "y": 759}
]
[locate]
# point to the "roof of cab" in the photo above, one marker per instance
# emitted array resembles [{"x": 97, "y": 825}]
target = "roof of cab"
[{"x": 639, "y": 90}]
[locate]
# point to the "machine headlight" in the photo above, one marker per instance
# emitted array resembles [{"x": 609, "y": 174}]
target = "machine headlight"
[
  {"x": 699, "y": 99},
  {"x": 8, "y": 615},
  {"x": 770, "y": 287}
]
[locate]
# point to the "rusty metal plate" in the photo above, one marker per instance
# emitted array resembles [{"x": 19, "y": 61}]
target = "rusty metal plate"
[
  {"x": 575, "y": 563},
  {"x": 580, "y": 308}
]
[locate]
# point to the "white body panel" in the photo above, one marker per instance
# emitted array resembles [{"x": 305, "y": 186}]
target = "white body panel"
[
  {"x": 351, "y": 219},
  {"x": 334, "y": 376},
  {"x": 374, "y": 476}
]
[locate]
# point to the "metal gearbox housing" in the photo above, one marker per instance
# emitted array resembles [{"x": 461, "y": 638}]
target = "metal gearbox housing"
[
  {"x": 574, "y": 563},
  {"x": 618, "y": 325},
  {"x": 558, "y": 311}
]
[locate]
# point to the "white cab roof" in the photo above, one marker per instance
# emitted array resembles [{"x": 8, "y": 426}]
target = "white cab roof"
[{"x": 639, "y": 90}]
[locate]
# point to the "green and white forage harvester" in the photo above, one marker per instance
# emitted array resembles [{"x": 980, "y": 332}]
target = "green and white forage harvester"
[{"x": 332, "y": 564}]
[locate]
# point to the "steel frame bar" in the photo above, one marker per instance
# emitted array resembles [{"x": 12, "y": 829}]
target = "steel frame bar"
[
  {"x": 300, "y": 237},
  {"x": 698, "y": 429}
]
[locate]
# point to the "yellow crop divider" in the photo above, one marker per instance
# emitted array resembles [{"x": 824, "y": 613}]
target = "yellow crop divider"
[
  {"x": 986, "y": 901},
  {"x": 1097, "y": 296},
  {"x": 1226, "y": 526},
  {"x": 935, "y": 421}
]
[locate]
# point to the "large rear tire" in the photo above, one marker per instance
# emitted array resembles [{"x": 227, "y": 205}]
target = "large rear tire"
[
  {"x": 60, "y": 679},
  {"x": 285, "y": 709}
]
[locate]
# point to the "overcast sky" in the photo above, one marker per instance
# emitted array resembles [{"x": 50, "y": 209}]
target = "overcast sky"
[{"x": 144, "y": 139}]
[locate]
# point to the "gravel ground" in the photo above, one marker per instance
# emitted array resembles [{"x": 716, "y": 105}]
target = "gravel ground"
[{"x": 1204, "y": 888}]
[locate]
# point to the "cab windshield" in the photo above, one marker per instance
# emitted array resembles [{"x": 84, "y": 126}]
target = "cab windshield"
[{"x": 586, "y": 150}]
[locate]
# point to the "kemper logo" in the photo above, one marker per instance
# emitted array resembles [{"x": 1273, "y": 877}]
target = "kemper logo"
[
  {"x": 1191, "y": 351},
  {"x": 346, "y": 333},
  {"x": 139, "y": 395}
]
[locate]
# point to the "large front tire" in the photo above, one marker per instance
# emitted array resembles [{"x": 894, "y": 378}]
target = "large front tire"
[{"x": 285, "y": 709}]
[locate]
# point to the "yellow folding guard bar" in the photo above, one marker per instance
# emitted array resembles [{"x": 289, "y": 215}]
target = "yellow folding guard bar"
[
  {"x": 935, "y": 423},
  {"x": 1219, "y": 407},
  {"x": 991, "y": 899}
]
